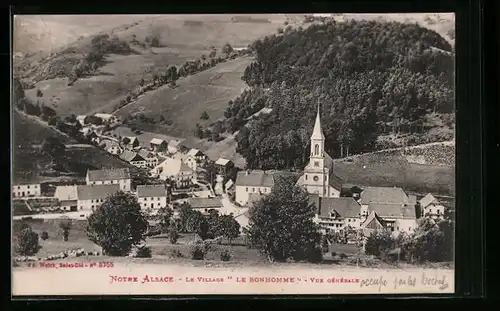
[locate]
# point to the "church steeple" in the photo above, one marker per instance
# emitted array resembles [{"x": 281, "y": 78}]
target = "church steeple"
[{"x": 317, "y": 133}]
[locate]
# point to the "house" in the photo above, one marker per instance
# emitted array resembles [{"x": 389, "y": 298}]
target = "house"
[
  {"x": 174, "y": 169},
  {"x": 158, "y": 145},
  {"x": 106, "y": 117},
  {"x": 255, "y": 182},
  {"x": 429, "y": 206},
  {"x": 397, "y": 217},
  {"x": 173, "y": 146},
  {"x": 336, "y": 214},
  {"x": 190, "y": 161},
  {"x": 382, "y": 195},
  {"x": 204, "y": 205},
  {"x": 372, "y": 223},
  {"x": 26, "y": 190},
  {"x": 151, "y": 158},
  {"x": 130, "y": 142},
  {"x": 119, "y": 177},
  {"x": 152, "y": 196},
  {"x": 113, "y": 147},
  {"x": 197, "y": 155},
  {"x": 223, "y": 165},
  {"x": 67, "y": 197},
  {"x": 133, "y": 158},
  {"x": 90, "y": 197},
  {"x": 81, "y": 119}
]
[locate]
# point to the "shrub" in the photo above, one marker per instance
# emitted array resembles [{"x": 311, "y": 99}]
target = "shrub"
[
  {"x": 44, "y": 236},
  {"x": 225, "y": 255},
  {"x": 378, "y": 242},
  {"x": 175, "y": 253},
  {"x": 65, "y": 227},
  {"x": 173, "y": 233},
  {"x": 198, "y": 252},
  {"x": 343, "y": 256},
  {"x": 27, "y": 242},
  {"x": 143, "y": 252},
  {"x": 334, "y": 254}
]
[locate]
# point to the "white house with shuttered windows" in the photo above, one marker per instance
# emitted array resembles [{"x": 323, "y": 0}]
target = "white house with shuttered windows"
[{"x": 152, "y": 196}]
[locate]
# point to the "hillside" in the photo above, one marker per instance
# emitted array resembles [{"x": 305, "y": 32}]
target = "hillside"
[
  {"x": 374, "y": 80},
  {"x": 31, "y": 164},
  {"x": 177, "y": 39}
]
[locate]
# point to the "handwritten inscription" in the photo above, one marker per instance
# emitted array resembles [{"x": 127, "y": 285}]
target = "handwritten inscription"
[{"x": 410, "y": 281}]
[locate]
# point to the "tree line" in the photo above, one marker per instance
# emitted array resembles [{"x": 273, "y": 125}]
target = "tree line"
[{"x": 370, "y": 78}]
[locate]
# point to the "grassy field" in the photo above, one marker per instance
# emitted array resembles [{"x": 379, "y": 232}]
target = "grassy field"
[
  {"x": 391, "y": 168},
  {"x": 209, "y": 91}
]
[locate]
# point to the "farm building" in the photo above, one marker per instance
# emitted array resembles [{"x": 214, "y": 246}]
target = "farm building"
[
  {"x": 204, "y": 205},
  {"x": 119, "y": 177},
  {"x": 158, "y": 145},
  {"x": 152, "y": 196},
  {"x": 133, "y": 158},
  {"x": 175, "y": 169},
  {"x": 26, "y": 190}
]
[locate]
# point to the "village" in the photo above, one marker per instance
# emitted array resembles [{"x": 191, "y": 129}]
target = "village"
[{"x": 185, "y": 175}]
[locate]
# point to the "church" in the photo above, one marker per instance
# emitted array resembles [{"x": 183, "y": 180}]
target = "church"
[{"x": 317, "y": 178}]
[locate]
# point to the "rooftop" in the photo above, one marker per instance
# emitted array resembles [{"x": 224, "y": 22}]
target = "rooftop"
[
  {"x": 428, "y": 199},
  {"x": 222, "y": 161},
  {"x": 146, "y": 191},
  {"x": 393, "y": 210},
  {"x": 345, "y": 207},
  {"x": 92, "y": 192},
  {"x": 157, "y": 141},
  {"x": 205, "y": 203},
  {"x": 66, "y": 193},
  {"x": 171, "y": 167},
  {"x": 130, "y": 156},
  {"x": 390, "y": 195},
  {"x": 194, "y": 152},
  {"x": 109, "y": 174},
  {"x": 259, "y": 178}
]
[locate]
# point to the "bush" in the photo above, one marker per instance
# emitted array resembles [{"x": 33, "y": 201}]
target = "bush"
[
  {"x": 65, "y": 227},
  {"x": 334, "y": 254},
  {"x": 175, "y": 253},
  {"x": 44, "y": 236},
  {"x": 173, "y": 233},
  {"x": 143, "y": 252},
  {"x": 198, "y": 252},
  {"x": 225, "y": 255},
  {"x": 343, "y": 256},
  {"x": 379, "y": 242},
  {"x": 27, "y": 242}
]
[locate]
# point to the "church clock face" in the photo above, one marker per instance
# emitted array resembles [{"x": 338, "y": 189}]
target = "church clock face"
[{"x": 315, "y": 178}]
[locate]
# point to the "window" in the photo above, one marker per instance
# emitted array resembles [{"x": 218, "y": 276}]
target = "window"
[
  {"x": 397, "y": 228},
  {"x": 315, "y": 178},
  {"x": 253, "y": 189},
  {"x": 316, "y": 163},
  {"x": 28, "y": 192},
  {"x": 316, "y": 149},
  {"x": 306, "y": 177},
  {"x": 325, "y": 177},
  {"x": 18, "y": 187},
  {"x": 409, "y": 229},
  {"x": 92, "y": 207},
  {"x": 246, "y": 189},
  {"x": 35, "y": 186},
  {"x": 28, "y": 186}
]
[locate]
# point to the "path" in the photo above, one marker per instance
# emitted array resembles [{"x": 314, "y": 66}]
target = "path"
[{"x": 42, "y": 123}]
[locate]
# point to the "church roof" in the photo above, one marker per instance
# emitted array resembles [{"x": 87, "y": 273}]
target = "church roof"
[
  {"x": 317, "y": 131},
  {"x": 258, "y": 178}
]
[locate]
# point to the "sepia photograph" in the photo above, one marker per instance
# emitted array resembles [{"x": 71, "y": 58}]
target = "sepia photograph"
[{"x": 242, "y": 154}]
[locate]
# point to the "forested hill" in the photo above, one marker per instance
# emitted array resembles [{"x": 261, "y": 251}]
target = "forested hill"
[{"x": 375, "y": 82}]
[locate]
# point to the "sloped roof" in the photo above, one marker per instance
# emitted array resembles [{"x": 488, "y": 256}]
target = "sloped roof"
[
  {"x": 109, "y": 174},
  {"x": 393, "y": 210},
  {"x": 260, "y": 178},
  {"x": 146, "y": 191},
  {"x": 157, "y": 141},
  {"x": 92, "y": 192},
  {"x": 254, "y": 178},
  {"x": 130, "y": 156},
  {"x": 335, "y": 181},
  {"x": 428, "y": 199},
  {"x": 222, "y": 161},
  {"x": 65, "y": 193},
  {"x": 132, "y": 139},
  {"x": 172, "y": 167},
  {"x": 391, "y": 195},
  {"x": 205, "y": 203},
  {"x": 146, "y": 154},
  {"x": 174, "y": 143},
  {"x": 373, "y": 216},
  {"x": 229, "y": 183},
  {"x": 344, "y": 206},
  {"x": 195, "y": 152}
]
